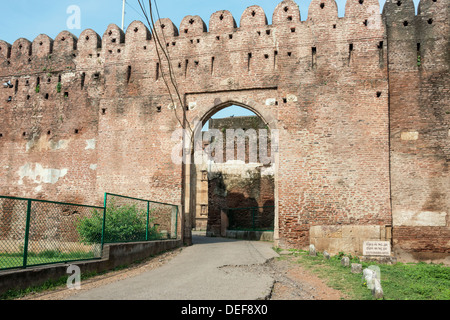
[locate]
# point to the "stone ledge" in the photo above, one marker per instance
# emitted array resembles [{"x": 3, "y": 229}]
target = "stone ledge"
[{"x": 379, "y": 259}]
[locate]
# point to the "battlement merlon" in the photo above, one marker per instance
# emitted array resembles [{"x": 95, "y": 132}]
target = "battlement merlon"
[{"x": 362, "y": 20}]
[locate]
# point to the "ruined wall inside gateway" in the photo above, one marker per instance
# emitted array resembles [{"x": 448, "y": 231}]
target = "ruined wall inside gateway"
[{"x": 363, "y": 125}]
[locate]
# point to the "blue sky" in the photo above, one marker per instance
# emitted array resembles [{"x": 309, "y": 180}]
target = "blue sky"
[{"x": 28, "y": 19}]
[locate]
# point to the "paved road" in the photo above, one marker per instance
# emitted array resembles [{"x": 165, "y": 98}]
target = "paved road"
[{"x": 197, "y": 273}]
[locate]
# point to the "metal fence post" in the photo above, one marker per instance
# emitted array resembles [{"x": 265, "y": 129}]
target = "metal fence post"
[
  {"x": 104, "y": 221},
  {"x": 148, "y": 217},
  {"x": 27, "y": 233}
]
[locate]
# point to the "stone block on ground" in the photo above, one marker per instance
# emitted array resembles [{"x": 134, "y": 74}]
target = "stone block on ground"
[
  {"x": 356, "y": 268},
  {"x": 345, "y": 261},
  {"x": 312, "y": 250}
]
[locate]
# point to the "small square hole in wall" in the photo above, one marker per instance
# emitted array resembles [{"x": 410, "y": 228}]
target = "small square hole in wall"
[
  {"x": 292, "y": 29},
  {"x": 268, "y": 32},
  {"x": 28, "y": 97},
  {"x": 46, "y": 96},
  {"x": 289, "y": 54},
  {"x": 77, "y": 131},
  {"x": 378, "y": 94},
  {"x": 104, "y": 111},
  {"x": 158, "y": 109},
  {"x": 66, "y": 94},
  {"x": 334, "y": 26},
  {"x": 24, "y": 134},
  {"x": 49, "y": 132},
  {"x": 230, "y": 36},
  {"x": 1, "y": 135}
]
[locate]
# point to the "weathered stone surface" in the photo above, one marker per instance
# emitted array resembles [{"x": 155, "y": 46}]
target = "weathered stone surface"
[
  {"x": 326, "y": 255},
  {"x": 356, "y": 268},
  {"x": 377, "y": 290},
  {"x": 345, "y": 261},
  {"x": 369, "y": 277},
  {"x": 312, "y": 250}
]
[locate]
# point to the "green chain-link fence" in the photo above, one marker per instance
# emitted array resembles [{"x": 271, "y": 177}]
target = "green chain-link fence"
[
  {"x": 130, "y": 219},
  {"x": 251, "y": 219},
  {"x": 38, "y": 232}
]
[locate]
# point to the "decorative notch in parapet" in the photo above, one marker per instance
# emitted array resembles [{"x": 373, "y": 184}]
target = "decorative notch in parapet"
[
  {"x": 322, "y": 11},
  {"x": 192, "y": 26},
  {"x": 112, "y": 40},
  {"x": 222, "y": 22},
  {"x": 65, "y": 43},
  {"x": 89, "y": 43},
  {"x": 42, "y": 46},
  {"x": 365, "y": 13},
  {"x": 252, "y": 17},
  {"x": 137, "y": 34},
  {"x": 287, "y": 12},
  {"x": 21, "y": 49}
]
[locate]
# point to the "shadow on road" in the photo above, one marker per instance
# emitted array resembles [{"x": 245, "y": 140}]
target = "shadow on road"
[{"x": 203, "y": 239}]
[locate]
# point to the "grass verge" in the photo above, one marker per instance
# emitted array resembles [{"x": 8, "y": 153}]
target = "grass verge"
[{"x": 400, "y": 281}]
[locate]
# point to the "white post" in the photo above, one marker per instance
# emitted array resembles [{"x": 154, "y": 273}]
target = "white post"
[{"x": 123, "y": 14}]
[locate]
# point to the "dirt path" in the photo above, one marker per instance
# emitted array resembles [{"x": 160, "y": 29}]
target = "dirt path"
[{"x": 291, "y": 281}]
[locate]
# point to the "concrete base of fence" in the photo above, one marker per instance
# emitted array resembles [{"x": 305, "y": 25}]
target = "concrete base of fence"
[
  {"x": 114, "y": 255},
  {"x": 250, "y": 235}
]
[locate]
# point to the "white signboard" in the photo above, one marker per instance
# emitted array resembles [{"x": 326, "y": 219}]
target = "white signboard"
[{"x": 377, "y": 248}]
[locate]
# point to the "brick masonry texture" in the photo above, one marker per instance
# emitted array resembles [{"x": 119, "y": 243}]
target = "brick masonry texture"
[{"x": 361, "y": 104}]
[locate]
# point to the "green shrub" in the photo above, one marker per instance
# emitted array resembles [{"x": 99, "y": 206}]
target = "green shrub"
[{"x": 122, "y": 224}]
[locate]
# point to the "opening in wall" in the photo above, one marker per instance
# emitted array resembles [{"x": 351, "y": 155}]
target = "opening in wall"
[{"x": 314, "y": 57}]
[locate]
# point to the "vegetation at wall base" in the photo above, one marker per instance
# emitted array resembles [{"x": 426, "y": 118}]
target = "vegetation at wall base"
[
  {"x": 124, "y": 223},
  {"x": 400, "y": 281}
]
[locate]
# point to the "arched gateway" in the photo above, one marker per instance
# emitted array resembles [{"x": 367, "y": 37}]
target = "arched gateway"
[
  {"x": 203, "y": 114},
  {"x": 360, "y": 104}
]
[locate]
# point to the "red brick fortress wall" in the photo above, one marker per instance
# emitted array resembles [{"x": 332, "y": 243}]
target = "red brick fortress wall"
[
  {"x": 342, "y": 92},
  {"x": 419, "y": 85}
]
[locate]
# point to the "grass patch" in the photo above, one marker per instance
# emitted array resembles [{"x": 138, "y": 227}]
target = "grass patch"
[
  {"x": 15, "y": 260},
  {"x": 412, "y": 281}
]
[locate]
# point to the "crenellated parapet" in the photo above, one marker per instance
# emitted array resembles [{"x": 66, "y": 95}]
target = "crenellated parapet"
[{"x": 321, "y": 40}]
